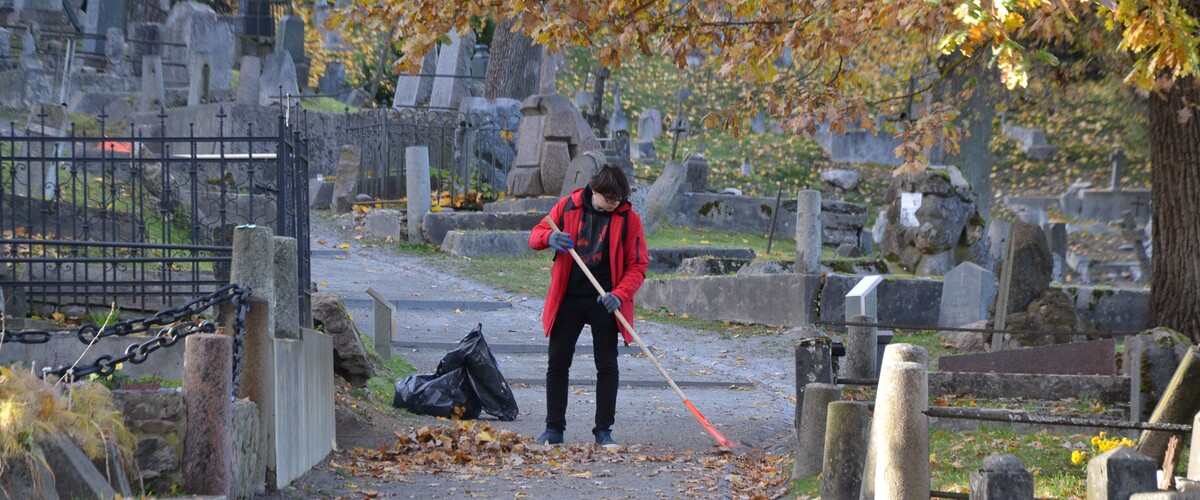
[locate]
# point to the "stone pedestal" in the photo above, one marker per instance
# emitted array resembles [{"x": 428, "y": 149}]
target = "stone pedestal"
[
  {"x": 810, "y": 435},
  {"x": 1119, "y": 473},
  {"x": 847, "y": 431},
  {"x": 808, "y": 232},
  {"x": 1002, "y": 477},
  {"x": 416, "y": 170},
  {"x": 208, "y": 441},
  {"x": 814, "y": 365},
  {"x": 861, "y": 348}
]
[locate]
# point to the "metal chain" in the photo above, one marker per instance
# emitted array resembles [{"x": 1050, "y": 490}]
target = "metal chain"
[
  {"x": 182, "y": 327},
  {"x": 86, "y": 332}
]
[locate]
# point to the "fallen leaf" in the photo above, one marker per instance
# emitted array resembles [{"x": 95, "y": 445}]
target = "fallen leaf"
[{"x": 344, "y": 246}]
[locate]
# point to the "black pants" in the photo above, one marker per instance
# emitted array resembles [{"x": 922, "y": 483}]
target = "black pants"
[{"x": 573, "y": 313}]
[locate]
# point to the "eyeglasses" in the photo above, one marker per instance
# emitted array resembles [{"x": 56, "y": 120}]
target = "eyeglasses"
[{"x": 610, "y": 199}]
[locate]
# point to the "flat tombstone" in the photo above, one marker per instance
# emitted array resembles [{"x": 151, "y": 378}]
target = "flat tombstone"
[
  {"x": 101, "y": 16},
  {"x": 967, "y": 292},
  {"x": 413, "y": 90},
  {"x": 697, "y": 173},
  {"x": 862, "y": 299},
  {"x": 211, "y": 39},
  {"x": 1079, "y": 358},
  {"x": 385, "y": 324},
  {"x": 580, "y": 171}
]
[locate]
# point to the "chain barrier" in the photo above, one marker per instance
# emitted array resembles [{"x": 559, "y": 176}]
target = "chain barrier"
[{"x": 174, "y": 323}]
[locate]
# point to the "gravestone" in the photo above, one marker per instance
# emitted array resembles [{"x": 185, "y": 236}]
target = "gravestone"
[
  {"x": 6, "y": 50},
  {"x": 1151, "y": 359},
  {"x": 200, "y": 82},
  {"x": 664, "y": 190},
  {"x": 696, "y": 169},
  {"x": 249, "y": 85},
  {"x": 142, "y": 40},
  {"x": 1032, "y": 141},
  {"x": 580, "y": 171},
  {"x": 1032, "y": 267},
  {"x": 1056, "y": 239},
  {"x": 331, "y": 39},
  {"x": 152, "y": 98},
  {"x": 808, "y": 232},
  {"x": 29, "y": 58},
  {"x": 114, "y": 50},
  {"x": 1097, "y": 357},
  {"x": 618, "y": 123},
  {"x": 551, "y": 133},
  {"x": 103, "y": 15},
  {"x": 289, "y": 37},
  {"x": 967, "y": 292},
  {"x": 649, "y": 125},
  {"x": 840, "y": 180},
  {"x": 454, "y": 62},
  {"x": 414, "y": 90},
  {"x": 278, "y": 79},
  {"x": 862, "y": 300},
  {"x": 347, "y": 176},
  {"x": 350, "y": 361},
  {"x": 333, "y": 82},
  {"x": 1002, "y": 477},
  {"x": 758, "y": 124},
  {"x": 1118, "y": 160},
  {"x": 418, "y": 189}
]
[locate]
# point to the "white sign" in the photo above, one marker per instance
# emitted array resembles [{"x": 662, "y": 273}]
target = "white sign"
[{"x": 909, "y": 203}]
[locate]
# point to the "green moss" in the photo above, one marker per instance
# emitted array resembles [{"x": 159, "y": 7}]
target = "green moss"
[
  {"x": 977, "y": 220},
  {"x": 710, "y": 206},
  {"x": 766, "y": 209}
]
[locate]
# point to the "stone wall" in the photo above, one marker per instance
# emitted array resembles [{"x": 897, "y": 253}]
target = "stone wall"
[
  {"x": 841, "y": 222},
  {"x": 158, "y": 419}
]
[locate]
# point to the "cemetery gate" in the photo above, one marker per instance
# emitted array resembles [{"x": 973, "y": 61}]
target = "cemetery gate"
[
  {"x": 469, "y": 152},
  {"x": 92, "y": 216}
]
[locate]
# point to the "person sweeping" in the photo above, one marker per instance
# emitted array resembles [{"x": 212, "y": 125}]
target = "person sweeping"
[{"x": 599, "y": 223}]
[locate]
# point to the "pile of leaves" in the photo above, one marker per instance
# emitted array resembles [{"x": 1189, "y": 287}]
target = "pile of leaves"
[{"x": 469, "y": 447}]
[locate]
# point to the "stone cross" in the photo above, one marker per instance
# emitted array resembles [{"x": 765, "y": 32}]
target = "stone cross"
[
  {"x": 618, "y": 123},
  {"x": 1118, "y": 159}
]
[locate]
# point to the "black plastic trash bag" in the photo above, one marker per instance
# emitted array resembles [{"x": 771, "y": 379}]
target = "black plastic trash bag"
[{"x": 468, "y": 378}]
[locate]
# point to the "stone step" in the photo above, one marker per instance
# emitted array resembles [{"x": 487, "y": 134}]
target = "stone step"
[
  {"x": 472, "y": 244},
  {"x": 542, "y": 204},
  {"x": 437, "y": 224},
  {"x": 443, "y": 305}
]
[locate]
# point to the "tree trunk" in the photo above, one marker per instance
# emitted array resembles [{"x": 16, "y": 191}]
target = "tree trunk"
[
  {"x": 514, "y": 64},
  {"x": 1175, "y": 191},
  {"x": 974, "y": 156}
]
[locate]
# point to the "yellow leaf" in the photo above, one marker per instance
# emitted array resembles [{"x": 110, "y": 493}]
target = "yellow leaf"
[
  {"x": 484, "y": 437},
  {"x": 59, "y": 317},
  {"x": 344, "y": 246},
  {"x": 684, "y": 316},
  {"x": 324, "y": 283}
]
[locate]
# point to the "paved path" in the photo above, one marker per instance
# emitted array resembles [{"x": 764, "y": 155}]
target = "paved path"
[{"x": 743, "y": 385}]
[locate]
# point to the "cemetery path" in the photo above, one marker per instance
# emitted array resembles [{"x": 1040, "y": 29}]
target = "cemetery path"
[{"x": 743, "y": 385}]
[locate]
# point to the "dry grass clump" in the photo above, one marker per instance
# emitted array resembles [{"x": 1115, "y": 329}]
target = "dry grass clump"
[{"x": 31, "y": 408}]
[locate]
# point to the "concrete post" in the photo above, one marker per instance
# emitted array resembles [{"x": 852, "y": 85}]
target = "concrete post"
[
  {"x": 385, "y": 324},
  {"x": 208, "y": 440},
  {"x": 894, "y": 353},
  {"x": 1119, "y": 473},
  {"x": 253, "y": 264},
  {"x": 287, "y": 290},
  {"x": 808, "y": 232},
  {"x": 1180, "y": 401},
  {"x": 1002, "y": 477},
  {"x": 902, "y": 448},
  {"x": 258, "y": 382},
  {"x": 1193, "y": 470},
  {"x": 810, "y": 437},
  {"x": 847, "y": 429},
  {"x": 416, "y": 166},
  {"x": 814, "y": 365},
  {"x": 861, "y": 348}
]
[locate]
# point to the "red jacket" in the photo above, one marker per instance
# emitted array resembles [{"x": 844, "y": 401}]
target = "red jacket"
[{"x": 628, "y": 258}]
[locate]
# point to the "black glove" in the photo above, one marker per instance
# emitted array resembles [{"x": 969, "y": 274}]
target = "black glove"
[
  {"x": 610, "y": 302},
  {"x": 560, "y": 241}
]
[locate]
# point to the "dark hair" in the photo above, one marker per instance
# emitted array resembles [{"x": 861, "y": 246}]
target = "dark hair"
[{"x": 610, "y": 181}]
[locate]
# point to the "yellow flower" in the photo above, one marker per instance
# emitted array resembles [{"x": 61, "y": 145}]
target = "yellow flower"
[{"x": 1077, "y": 457}]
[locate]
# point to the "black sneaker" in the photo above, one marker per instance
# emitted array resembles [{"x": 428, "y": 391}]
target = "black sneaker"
[
  {"x": 605, "y": 439},
  {"x": 550, "y": 436}
]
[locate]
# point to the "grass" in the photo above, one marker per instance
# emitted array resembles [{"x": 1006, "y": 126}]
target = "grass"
[
  {"x": 930, "y": 340},
  {"x": 327, "y": 104},
  {"x": 382, "y": 386},
  {"x": 954, "y": 454}
]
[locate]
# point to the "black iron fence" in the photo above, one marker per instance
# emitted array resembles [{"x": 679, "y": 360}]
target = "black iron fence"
[
  {"x": 89, "y": 219},
  {"x": 470, "y": 153}
]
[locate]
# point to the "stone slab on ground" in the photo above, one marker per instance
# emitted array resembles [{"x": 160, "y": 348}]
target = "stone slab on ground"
[
  {"x": 473, "y": 244},
  {"x": 437, "y": 224},
  {"x": 541, "y": 204},
  {"x": 1097, "y": 357},
  {"x": 74, "y": 474},
  {"x": 773, "y": 300},
  {"x": 663, "y": 260}
]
